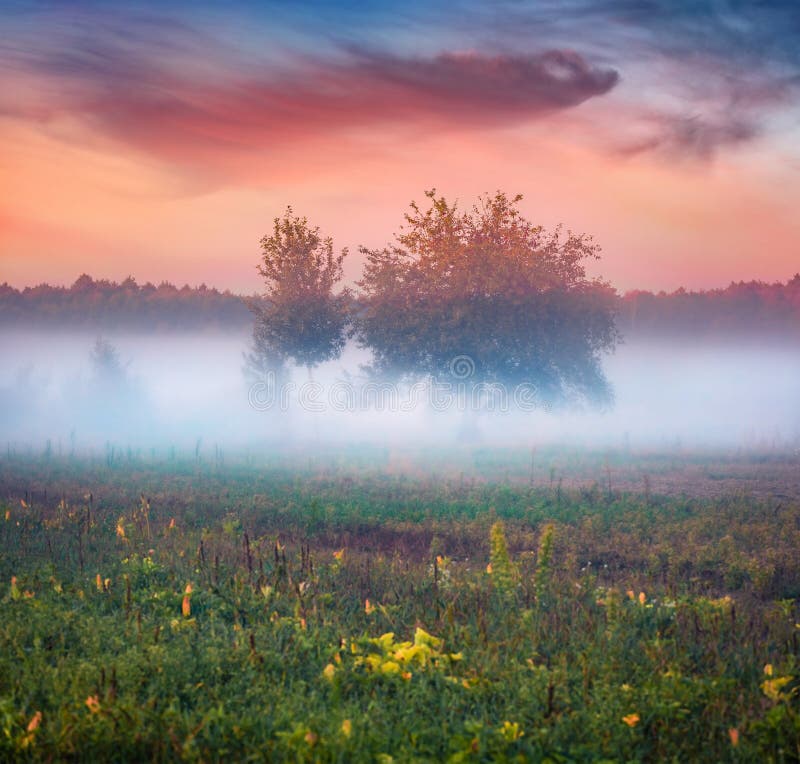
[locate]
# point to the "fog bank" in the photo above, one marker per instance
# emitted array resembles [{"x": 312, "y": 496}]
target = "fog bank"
[{"x": 178, "y": 390}]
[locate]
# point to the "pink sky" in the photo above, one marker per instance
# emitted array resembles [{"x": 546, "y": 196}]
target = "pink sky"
[{"x": 174, "y": 170}]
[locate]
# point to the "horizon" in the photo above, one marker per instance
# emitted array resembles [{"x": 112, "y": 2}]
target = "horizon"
[{"x": 70, "y": 284}]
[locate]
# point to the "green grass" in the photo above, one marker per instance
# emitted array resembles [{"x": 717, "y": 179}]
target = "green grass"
[{"x": 639, "y": 632}]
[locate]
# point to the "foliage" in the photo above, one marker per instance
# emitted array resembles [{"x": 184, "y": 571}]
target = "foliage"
[
  {"x": 544, "y": 560},
  {"x": 300, "y": 317},
  {"x": 107, "y": 367},
  {"x": 488, "y": 285},
  {"x": 181, "y": 611},
  {"x": 500, "y": 568},
  {"x": 741, "y": 309},
  {"x": 384, "y": 657},
  {"x": 105, "y": 305}
]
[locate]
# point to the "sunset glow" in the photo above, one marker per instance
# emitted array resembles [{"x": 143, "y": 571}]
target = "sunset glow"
[{"x": 161, "y": 143}]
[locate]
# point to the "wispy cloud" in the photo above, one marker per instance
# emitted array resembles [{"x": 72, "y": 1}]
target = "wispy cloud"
[
  {"x": 702, "y": 76},
  {"x": 694, "y": 77},
  {"x": 165, "y": 89},
  {"x": 691, "y": 137}
]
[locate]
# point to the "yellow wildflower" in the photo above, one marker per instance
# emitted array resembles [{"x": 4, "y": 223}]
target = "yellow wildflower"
[
  {"x": 421, "y": 637},
  {"x": 347, "y": 728},
  {"x": 773, "y": 688},
  {"x": 373, "y": 662},
  {"x": 511, "y": 731},
  {"x": 390, "y": 667},
  {"x": 384, "y": 641}
]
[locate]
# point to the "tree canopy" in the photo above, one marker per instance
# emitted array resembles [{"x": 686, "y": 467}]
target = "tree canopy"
[
  {"x": 107, "y": 368},
  {"x": 486, "y": 288},
  {"x": 301, "y": 318}
]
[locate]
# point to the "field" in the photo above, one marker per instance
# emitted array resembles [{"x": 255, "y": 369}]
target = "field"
[{"x": 485, "y": 605}]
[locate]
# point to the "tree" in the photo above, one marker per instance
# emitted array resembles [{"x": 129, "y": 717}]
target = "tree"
[
  {"x": 108, "y": 371},
  {"x": 300, "y": 317},
  {"x": 113, "y": 403},
  {"x": 486, "y": 289}
]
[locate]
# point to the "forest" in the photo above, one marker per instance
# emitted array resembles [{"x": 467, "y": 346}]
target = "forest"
[{"x": 745, "y": 308}]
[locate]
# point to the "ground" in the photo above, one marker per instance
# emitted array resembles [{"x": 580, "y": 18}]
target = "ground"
[{"x": 556, "y": 604}]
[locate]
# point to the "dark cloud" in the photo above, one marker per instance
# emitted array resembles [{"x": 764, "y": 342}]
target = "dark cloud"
[
  {"x": 486, "y": 87},
  {"x": 166, "y": 90},
  {"x": 691, "y": 137}
]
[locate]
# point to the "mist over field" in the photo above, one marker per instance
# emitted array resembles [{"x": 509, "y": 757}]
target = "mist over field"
[
  {"x": 398, "y": 382},
  {"x": 185, "y": 389}
]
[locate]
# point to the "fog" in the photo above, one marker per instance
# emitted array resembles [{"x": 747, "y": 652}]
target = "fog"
[{"x": 190, "y": 392}]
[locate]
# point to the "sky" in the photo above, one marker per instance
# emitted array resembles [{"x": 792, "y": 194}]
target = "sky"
[{"x": 160, "y": 140}]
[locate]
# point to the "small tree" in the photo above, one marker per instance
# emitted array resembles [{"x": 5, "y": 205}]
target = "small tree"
[
  {"x": 488, "y": 287},
  {"x": 300, "y": 318},
  {"x": 107, "y": 369},
  {"x": 113, "y": 403}
]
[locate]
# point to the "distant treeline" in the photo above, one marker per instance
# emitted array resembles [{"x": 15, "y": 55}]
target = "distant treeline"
[
  {"x": 101, "y": 304},
  {"x": 744, "y": 308},
  {"x": 753, "y": 307}
]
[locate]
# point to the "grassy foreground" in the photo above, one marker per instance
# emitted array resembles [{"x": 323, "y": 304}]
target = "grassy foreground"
[{"x": 171, "y": 611}]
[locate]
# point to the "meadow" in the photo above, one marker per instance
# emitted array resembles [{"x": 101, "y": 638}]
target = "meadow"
[{"x": 552, "y": 605}]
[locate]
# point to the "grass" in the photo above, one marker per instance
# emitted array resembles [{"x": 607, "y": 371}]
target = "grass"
[{"x": 185, "y": 610}]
